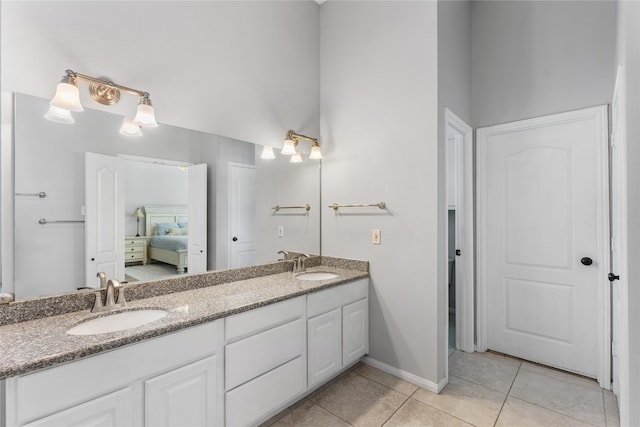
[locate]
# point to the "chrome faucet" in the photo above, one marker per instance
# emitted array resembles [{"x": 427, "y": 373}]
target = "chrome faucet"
[
  {"x": 110, "y": 302},
  {"x": 298, "y": 263}
]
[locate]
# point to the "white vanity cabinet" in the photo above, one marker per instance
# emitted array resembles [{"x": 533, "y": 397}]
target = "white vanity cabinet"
[
  {"x": 157, "y": 382},
  {"x": 265, "y": 360},
  {"x": 338, "y": 331}
]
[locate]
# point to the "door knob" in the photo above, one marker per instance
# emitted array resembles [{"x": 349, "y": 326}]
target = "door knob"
[
  {"x": 235, "y": 239},
  {"x": 586, "y": 261},
  {"x": 613, "y": 277}
]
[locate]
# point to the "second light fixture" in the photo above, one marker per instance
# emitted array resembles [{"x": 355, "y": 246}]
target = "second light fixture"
[{"x": 291, "y": 140}]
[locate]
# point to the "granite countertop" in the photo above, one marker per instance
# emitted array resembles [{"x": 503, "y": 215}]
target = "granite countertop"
[{"x": 41, "y": 343}]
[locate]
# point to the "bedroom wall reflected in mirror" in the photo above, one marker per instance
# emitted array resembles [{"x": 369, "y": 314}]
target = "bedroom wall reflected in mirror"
[{"x": 50, "y": 157}]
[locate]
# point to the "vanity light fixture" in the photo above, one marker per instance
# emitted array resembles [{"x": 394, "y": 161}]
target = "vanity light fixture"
[
  {"x": 67, "y": 99},
  {"x": 291, "y": 141}
]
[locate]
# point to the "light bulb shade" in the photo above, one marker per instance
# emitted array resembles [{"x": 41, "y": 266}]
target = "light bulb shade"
[
  {"x": 128, "y": 128},
  {"x": 288, "y": 149},
  {"x": 145, "y": 116},
  {"x": 138, "y": 213},
  {"x": 59, "y": 115},
  {"x": 67, "y": 96},
  {"x": 315, "y": 154},
  {"x": 267, "y": 153},
  {"x": 296, "y": 158}
]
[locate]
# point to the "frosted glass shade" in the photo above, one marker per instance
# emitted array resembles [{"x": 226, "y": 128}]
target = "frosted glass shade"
[
  {"x": 145, "y": 116},
  {"x": 296, "y": 158},
  {"x": 267, "y": 153},
  {"x": 129, "y": 128},
  {"x": 67, "y": 96},
  {"x": 59, "y": 115},
  {"x": 288, "y": 149},
  {"x": 315, "y": 154}
]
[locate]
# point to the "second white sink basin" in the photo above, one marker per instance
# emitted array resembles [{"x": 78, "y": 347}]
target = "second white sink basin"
[
  {"x": 117, "y": 322},
  {"x": 316, "y": 275}
]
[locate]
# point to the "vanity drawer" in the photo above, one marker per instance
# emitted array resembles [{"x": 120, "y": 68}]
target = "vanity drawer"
[
  {"x": 257, "y": 354},
  {"x": 249, "y": 402},
  {"x": 257, "y": 320},
  {"x": 329, "y": 299}
]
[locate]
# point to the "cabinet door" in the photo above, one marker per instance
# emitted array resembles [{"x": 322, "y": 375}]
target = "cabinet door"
[
  {"x": 324, "y": 353},
  {"x": 355, "y": 331},
  {"x": 184, "y": 397},
  {"x": 111, "y": 410}
]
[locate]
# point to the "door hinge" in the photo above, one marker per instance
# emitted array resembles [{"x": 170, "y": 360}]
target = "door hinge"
[
  {"x": 458, "y": 252},
  {"x": 614, "y": 244},
  {"x": 614, "y": 352},
  {"x": 612, "y": 139}
]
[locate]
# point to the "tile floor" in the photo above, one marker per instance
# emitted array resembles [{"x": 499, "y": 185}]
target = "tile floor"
[{"x": 485, "y": 389}]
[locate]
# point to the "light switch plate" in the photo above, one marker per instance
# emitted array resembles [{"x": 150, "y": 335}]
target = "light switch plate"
[{"x": 375, "y": 237}]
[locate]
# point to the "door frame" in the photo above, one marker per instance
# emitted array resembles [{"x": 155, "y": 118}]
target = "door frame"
[
  {"x": 465, "y": 298},
  {"x": 619, "y": 252},
  {"x": 603, "y": 309}
]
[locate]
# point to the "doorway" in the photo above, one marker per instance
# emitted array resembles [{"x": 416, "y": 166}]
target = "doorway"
[
  {"x": 459, "y": 226},
  {"x": 543, "y": 236},
  {"x": 242, "y": 212}
]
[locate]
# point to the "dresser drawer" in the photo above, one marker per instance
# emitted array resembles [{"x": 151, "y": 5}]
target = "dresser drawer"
[
  {"x": 251, "y": 322},
  {"x": 138, "y": 256},
  {"x": 135, "y": 242},
  {"x": 253, "y": 356},
  {"x": 134, "y": 249},
  {"x": 247, "y": 403}
]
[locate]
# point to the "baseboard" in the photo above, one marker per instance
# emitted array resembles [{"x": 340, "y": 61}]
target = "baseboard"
[{"x": 407, "y": 376}]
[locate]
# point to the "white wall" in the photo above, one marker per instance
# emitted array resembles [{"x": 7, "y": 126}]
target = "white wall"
[
  {"x": 248, "y": 70},
  {"x": 532, "y": 58},
  {"x": 628, "y": 55},
  {"x": 379, "y": 135}
]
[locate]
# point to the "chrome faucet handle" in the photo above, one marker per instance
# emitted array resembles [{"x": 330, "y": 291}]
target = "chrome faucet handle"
[
  {"x": 97, "y": 304},
  {"x": 121, "y": 299}
]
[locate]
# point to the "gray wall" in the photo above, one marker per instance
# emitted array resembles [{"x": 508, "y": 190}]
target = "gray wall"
[
  {"x": 533, "y": 58},
  {"x": 628, "y": 55},
  {"x": 379, "y": 134},
  {"x": 247, "y": 70}
]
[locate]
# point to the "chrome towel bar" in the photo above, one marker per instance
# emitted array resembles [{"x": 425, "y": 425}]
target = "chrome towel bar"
[
  {"x": 305, "y": 207},
  {"x": 44, "y": 221},
  {"x": 41, "y": 194},
  {"x": 379, "y": 205}
]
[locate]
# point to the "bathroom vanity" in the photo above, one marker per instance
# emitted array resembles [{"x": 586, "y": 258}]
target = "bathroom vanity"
[{"x": 233, "y": 353}]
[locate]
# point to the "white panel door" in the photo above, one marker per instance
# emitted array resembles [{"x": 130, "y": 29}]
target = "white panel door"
[
  {"x": 186, "y": 396},
  {"x": 104, "y": 220},
  {"x": 355, "y": 331},
  {"x": 324, "y": 351},
  {"x": 197, "y": 206},
  {"x": 112, "y": 410},
  {"x": 542, "y": 215},
  {"x": 242, "y": 209}
]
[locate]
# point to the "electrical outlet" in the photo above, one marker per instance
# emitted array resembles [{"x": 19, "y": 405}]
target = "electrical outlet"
[
  {"x": 375, "y": 237},
  {"x": 280, "y": 231}
]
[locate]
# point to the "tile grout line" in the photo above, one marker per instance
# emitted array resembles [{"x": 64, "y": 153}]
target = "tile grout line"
[
  {"x": 508, "y": 393},
  {"x": 398, "y": 408},
  {"x": 556, "y": 412}
]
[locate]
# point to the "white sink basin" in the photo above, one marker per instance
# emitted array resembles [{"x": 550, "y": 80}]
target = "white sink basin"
[
  {"x": 117, "y": 322},
  {"x": 316, "y": 275}
]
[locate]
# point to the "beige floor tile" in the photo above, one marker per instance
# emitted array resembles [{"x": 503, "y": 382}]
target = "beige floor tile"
[
  {"x": 487, "y": 369},
  {"x": 582, "y": 403},
  {"x": 565, "y": 376},
  {"x": 465, "y": 400},
  {"x": 414, "y": 413},
  {"x": 519, "y": 413},
  {"x": 359, "y": 400},
  {"x": 612, "y": 416},
  {"x": 384, "y": 378},
  {"x": 309, "y": 414}
]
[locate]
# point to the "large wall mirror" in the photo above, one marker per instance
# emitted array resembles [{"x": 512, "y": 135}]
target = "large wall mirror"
[{"x": 208, "y": 201}]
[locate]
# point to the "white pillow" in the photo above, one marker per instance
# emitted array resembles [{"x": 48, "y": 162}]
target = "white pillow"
[{"x": 178, "y": 231}]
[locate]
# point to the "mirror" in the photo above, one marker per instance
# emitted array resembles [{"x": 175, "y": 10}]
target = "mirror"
[{"x": 241, "y": 190}]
